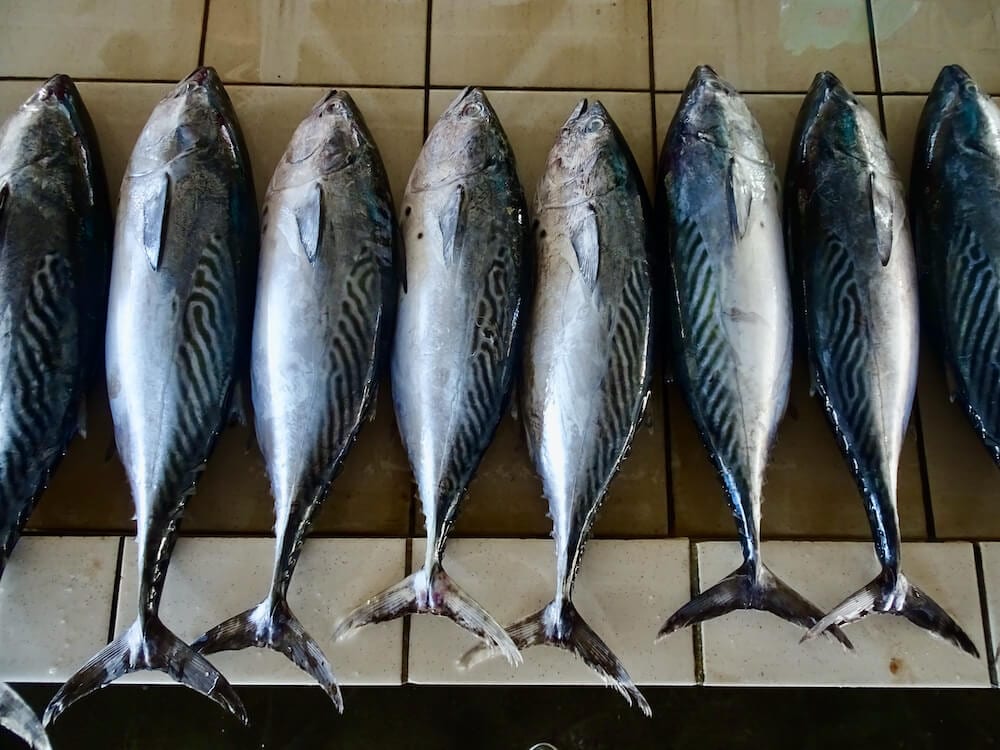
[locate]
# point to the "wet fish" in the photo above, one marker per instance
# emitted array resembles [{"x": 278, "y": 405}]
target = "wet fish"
[
  {"x": 846, "y": 226},
  {"x": 326, "y": 297},
  {"x": 588, "y": 358},
  {"x": 455, "y": 348},
  {"x": 731, "y": 320},
  {"x": 178, "y": 320},
  {"x": 955, "y": 199},
  {"x": 55, "y": 242}
]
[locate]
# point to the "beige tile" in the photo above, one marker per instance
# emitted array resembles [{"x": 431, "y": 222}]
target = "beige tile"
[
  {"x": 990, "y": 552},
  {"x": 585, "y": 44},
  {"x": 340, "y": 42},
  {"x": 210, "y": 580},
  {"x": 762, "y": 45},
  {"x": 916, "y": 39},
  {"x": 757, "y": 648},
  {"x": 902, "y": 114},
  {"x": 623, "y": 592},
  {"x": 269, "y": 115},
  {"x": 144, "y": 39}
]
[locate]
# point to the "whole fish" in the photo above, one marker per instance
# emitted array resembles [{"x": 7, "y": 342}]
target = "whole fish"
[
  {"x": 955, "y": 199},
  {"x": 846, "y": 226},
  {"x": 55, "y": 242},
  {"x": 326, "y": 296},
  {"x": 731, "y": 319},
  {"x": 179, "y": 304},
  {"x": 587, "y": 362},
  {"x": 455, "y": 348}
]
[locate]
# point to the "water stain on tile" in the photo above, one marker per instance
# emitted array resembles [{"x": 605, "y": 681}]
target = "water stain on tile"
[{"x": 821, "y": 24}]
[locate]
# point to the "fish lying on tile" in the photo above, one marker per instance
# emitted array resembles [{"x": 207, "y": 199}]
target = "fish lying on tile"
[
  {"x": 326, "y": 297},
  {"x": 847, "y": 229},
  {"x": 455, "y": 348},
  {"x": 55, "y": 243},
  {"x": 587, "y": 359},
  {"x": 731, "y": 318},
  {"x": 955, "y": 200},
  {"x": 178, "y": 324}
]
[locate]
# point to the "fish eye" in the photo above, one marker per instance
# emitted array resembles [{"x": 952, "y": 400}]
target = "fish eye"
[
  {"x": 594, "y": 125},
  {"x": 474, "y": 109},
  {"x": 970, "y": 87}
]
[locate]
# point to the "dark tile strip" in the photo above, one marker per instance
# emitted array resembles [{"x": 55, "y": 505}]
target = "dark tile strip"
[
  {"x": 876, "y": 72},
  {"x": 204, "y": 34},
  {"x": 696, "y": 634},
  {"x": 990, "y": 646},
  {"x": 404, "y": 674},
  {"x": 427, "y": 69},
  {"x": 116, "y": 590}
]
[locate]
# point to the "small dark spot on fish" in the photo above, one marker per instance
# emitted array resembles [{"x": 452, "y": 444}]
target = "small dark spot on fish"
[
  {"x": 895, "y": 665},
  {"x": 543, "y": 234},
  {"x": 762, "y": 225},
  {"x": 408, "y": 210},
  {"x": 114, "y": 386},
  {"x": 420, "y": 235}
]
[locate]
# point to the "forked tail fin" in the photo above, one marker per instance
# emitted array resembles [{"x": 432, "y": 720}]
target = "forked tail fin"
[
  {"x": 742, "y": 590},
  {"x": 147, "y": 646},
  {"x": 903, "y": 599},
  {"x": 272, "y": 625},
  {"x": 560, "y": 625},
  {"x": 437, "y": 594},
  {"x": 18, "y": 718}
]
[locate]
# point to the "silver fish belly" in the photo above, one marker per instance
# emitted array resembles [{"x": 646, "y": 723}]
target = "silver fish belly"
[
  {"x": 185, "y": 242},
  {"x": 455, "y": 348},
  {"x": 325, "y": 301}
]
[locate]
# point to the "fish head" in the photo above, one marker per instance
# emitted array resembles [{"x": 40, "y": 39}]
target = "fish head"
[
  {"x": 47, "y": 119},
  {"x": 712, "y": 111},
  {"x": 331, "y": 138},
  {"x": 589, "y": 158},
  {"x": 957, "y": 99},
  {"x": 466, "y": 140},
  {"x": 193, "y": 117}
]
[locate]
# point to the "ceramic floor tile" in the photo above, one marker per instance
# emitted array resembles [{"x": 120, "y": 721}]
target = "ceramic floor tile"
[
  {"x": 55, "y": 605},
  {"x": 990, "y": 552},
  {"x": 761, "y": 45},
  {"x": 340, "y": 42},
  {"x": 540, "y": 43},
  {"x": 624, "y": 591},
  {"x": 915, "y": 39},
  {"x": 137, "y": 40},
  {"x": 755, "y": 648},
  {"x": 902, "y": 114},
  {"x": 210, "y": 580}
]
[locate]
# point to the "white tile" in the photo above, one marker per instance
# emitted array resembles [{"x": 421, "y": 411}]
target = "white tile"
[
  {"x": 990, "y": 552},
  {"x": 624, "y": 591},
  {"x": 756, "y": 648},
  {"x": 210, "y": 580},
  {"x": 55, "y": 605}
]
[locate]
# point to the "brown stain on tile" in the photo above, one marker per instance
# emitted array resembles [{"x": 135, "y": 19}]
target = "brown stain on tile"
[{"x": 895, "y": 664}]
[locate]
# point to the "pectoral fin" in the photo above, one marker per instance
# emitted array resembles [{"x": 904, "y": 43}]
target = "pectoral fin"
[
  {"x": 451, "y": 223},
  {"x": 155, "y": 205},
  {"x": 882, "y": 208},
  {"x": 309, "y": 221},
  {"x": 586, "y": 241},
  {"x": 740, "y": 198}
]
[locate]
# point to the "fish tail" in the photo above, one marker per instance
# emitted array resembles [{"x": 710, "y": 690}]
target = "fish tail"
[
  {"x": 272, "y": 625},
  {"x": 147, "y": 645},
  {"x": 750, "y": 588},
  {"x": 437, "y": 594},
  {"x": 895, "y": 595},
  {"x": 17, "y": 717},
  {"x": 560, "y": 625}
]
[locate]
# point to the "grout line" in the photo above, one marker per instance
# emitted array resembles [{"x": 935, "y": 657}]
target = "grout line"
[
  {"x": 116, "y": 589},
  {"x": 204, "y": 35},
  {"x": 404, "y": 674},
  {"x": 925, "y": 482},
  {"x": 984, "y": 608},
  {"x": 427, "y": 69},
  {"x": 876, "y": 73},
  {"x": 697, "y": 637}
]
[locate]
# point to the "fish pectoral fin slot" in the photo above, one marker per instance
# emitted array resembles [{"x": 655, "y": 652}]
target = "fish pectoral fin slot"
[
  {"x": 903, "y": 599},
  {"x": 586, "y": 241},
  {"x": 309, "y": 221},
  {"x": 18, "y": 718},
  {"x": 155, "y": 207},
  {"x": 272, "y": 625},
  {"x": 740, "y": 197},
  {"x": 139, "y": 648},
  {"x": 883, "y": 210},
  {"x": 742, "y": 590},
  {"x": 451, "y": 223}
]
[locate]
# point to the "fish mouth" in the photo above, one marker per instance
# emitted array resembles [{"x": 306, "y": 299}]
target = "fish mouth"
[
  {"x": 202, "y": 77},
  {"x": 59, "y": 88},
  {"x": 955, "y": 78},
  {"x": 706, "y": 75}
]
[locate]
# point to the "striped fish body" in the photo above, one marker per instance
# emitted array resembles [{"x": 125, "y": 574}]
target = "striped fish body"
[
  {"x": 955, "y": 200},
  {"x": 730, "y": 302},
  {"x": 463, "y": 228},
  {"x": 848, "y": 230},
  {"x": 55, "y": 238}
]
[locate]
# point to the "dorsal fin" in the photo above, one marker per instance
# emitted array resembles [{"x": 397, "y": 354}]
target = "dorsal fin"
[
  {"x": 155, "y": 206},
  {"x": 451, "y": 224},
  {"x": 740, "y": 198},
  {"x": 309, "y": 221},
  {"x": 882, "y": 208},
  {"x": 586, "y": 241}
]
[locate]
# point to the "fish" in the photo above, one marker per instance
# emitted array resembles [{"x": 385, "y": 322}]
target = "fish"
[
  {"x": 326, "y": 299},
  {"x": 55, "y": 249},
  {"x": 456, "y": 344},
  {"x": 729, "y": 305},
  {"x": 848, "y": 235},
  {"x": 178, "y": 328},
  {"x": 954, "y": 198},
  {"x": 588, "y": 359}
]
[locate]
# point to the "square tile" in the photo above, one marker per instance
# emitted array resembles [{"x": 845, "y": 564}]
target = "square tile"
[
  {"x": 210, "y": 580},
  {"x": 137, "y": 40},
  {"x": 757, "y": 648},
  {"x": 916, "y": 39},
  {"x": 990, "y": 553},
  {"x": 540, "y": 43},
  {"x": 343, "y": 42},
  {"x": 624, "y": 591},
  {"x": 56, "y": 600},
  {"x": 902, "y": 113},
  {"x": 762, "y": 45}
]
